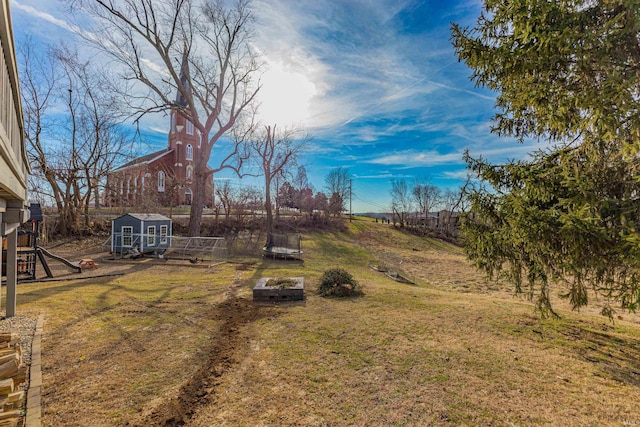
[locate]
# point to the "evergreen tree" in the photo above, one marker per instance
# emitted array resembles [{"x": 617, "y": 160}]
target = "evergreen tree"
[{"x": 566, "y": 71}]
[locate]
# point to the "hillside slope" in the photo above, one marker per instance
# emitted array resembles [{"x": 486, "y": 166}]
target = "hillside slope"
[{"x": 186, "y": 346}]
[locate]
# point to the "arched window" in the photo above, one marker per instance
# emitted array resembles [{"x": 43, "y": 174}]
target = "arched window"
[
  {"x": 128, "y": 186},
  {"x": 188, "y": 196},
  {"x": 189, "y": 153},
  {"x": 122, "y": 187},
  {"x": 189, "y": 172},
  {"x": 189, "y": 127},
  {"x": 161, "y": 182}
]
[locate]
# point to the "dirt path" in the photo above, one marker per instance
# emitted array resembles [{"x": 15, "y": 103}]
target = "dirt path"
[{"x": 226, "y": 350}]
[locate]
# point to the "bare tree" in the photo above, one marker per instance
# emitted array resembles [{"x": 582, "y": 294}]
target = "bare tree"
[
  {"x": 455, "y": 203},
  {"x": 204, "y": 54},
  {"x": 450, "y": 200},
  {"x": 249, "y": 200},
  {"x": 72, "y": 155},
  {"x": 336, "y": 204},
  {"x": 275, "y": 150},
  {"x": 322, "y": 204},
  {"x": 287, "y": 196},
  {"x": 101, "y": 140},
  {"x": 226, "y": 196},
  {"x": 338, "y": 181},
  {"x": 401, "y": 203},
  {"x": 39, "y": 80},
  {"x": 300, "y": 182},
  {"x": 300, "y": 179},
  {"x": 307, "y": 201},
  {"x": 425, "y": 196}
]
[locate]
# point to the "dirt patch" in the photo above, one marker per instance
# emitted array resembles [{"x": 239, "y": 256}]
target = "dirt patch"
[{"x": 225, "y": 351}]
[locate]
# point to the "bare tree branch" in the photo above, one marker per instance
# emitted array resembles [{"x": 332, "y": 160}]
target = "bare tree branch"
[{"x": 201, "y": 52}]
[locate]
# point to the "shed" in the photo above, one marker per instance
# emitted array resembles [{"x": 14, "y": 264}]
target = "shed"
[{"x": 143, "y": 233}]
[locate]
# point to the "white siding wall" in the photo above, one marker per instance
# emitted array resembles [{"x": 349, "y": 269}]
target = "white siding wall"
[{"x": 14, "y": 168}]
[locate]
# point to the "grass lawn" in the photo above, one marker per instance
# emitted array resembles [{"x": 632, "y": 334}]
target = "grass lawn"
[{"x": 165, "y": 345}]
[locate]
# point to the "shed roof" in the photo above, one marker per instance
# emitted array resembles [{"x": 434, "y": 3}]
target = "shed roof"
[{"x": 146, "y": 217}]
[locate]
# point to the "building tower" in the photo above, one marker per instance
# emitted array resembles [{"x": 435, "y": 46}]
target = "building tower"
[{"x": 184, "y": 140}]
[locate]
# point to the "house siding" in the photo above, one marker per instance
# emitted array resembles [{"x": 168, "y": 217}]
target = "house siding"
[{"x": 14, "y": 166}]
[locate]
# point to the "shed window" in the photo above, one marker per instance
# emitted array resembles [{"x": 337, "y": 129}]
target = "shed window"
[
  {"x": 164, "y": 232},
  {"x": 151, "y": 235},
  {"x": 127, "y": 236}
]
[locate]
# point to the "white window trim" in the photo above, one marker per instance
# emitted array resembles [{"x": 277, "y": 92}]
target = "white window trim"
[
  {"x": 164, "y": 232},
  {"x": 151, "y": 235},
  {"x": 127, "y": 231},
  {"x": 189, "y": 152}
]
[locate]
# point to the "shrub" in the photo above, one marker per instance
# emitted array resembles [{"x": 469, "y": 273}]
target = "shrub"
[{"x": 339, "y": 283}]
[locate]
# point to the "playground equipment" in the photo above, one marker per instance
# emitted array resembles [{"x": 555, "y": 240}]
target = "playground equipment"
[
  {"x": 283, "y": 246},
  {"x": 28, "y": 254}
]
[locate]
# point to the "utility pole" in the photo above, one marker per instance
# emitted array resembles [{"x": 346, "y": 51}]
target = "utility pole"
[{"x": 350, "y": 198}]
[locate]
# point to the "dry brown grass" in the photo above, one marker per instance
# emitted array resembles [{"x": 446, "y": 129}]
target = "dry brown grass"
[{"x": 178, "y": 345}]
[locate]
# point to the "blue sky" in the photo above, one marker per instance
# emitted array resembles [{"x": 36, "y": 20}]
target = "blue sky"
[{"x": 375, "y": 82}]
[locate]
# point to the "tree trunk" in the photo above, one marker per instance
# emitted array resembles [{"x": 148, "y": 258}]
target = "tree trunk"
[
  {"x": 276, "y": 199},
  {"x": 197, "y": 202},
  {"x": 267, "y": 203}
]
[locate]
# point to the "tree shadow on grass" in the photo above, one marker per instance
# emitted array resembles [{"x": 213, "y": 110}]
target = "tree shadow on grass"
[{"x": 617, "y": 356}]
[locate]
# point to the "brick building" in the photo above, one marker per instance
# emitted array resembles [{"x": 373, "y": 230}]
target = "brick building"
[{"x": 165, "y": 177}]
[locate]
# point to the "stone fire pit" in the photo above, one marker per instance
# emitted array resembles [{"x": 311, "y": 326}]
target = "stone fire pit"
[{"x": 279, "y": 289}]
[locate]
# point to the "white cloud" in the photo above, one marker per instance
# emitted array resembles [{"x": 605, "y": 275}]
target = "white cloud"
[
  {"x": 352, "y": 61},
  {"x": 39, "y": 14},
  {"x": 458, "y": 175},
  {"x": 411, "y": 158},
  {"x": 415, "y": 158},
  {"x": 385, "y": 176}
]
